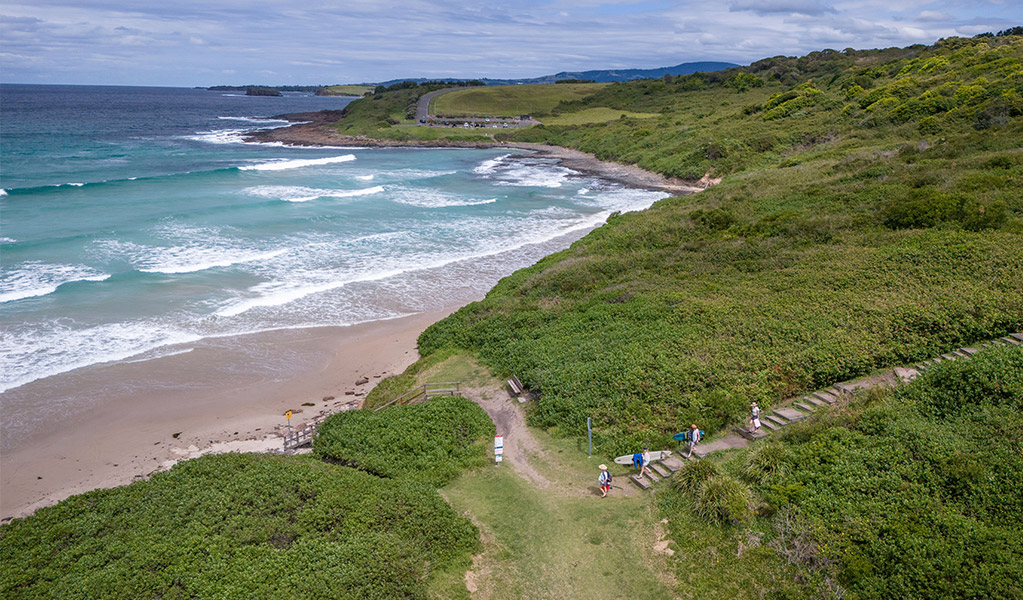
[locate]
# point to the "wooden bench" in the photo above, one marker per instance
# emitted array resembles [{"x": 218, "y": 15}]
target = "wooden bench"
[{"x": 516, "y": 386}]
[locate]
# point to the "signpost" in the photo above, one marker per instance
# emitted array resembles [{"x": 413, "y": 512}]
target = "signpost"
[{"x": 498, "y": 448}]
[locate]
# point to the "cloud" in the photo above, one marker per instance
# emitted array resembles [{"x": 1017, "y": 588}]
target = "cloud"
[
  {"x": 782, "y": 7},
  {"x": 323, "y": 41}
]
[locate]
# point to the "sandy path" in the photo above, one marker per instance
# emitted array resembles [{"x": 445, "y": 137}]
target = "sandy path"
[{"x": 519, "y": 443}]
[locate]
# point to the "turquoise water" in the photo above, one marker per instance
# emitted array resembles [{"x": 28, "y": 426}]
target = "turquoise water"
[{"x": 134, "y": 221}]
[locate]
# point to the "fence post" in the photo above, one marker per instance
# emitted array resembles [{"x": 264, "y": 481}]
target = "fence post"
[{"x": 589, "y": 435}]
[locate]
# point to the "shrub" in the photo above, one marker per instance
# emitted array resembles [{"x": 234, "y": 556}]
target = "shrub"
[
  {"x": 724, "y": 499},
  {"x": 430, "y": 442},
  {"x": 765, "y": 462},
  {"x": 693, "y": 474}
]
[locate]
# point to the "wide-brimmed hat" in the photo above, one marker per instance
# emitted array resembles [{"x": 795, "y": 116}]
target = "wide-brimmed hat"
[
  {"x": 694, "y": 426},
  {"x": 603, "y": 467}
]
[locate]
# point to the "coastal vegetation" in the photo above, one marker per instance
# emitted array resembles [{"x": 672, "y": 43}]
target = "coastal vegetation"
[
  {"x": 261, "y": 526},
  {"x": 510, "y": 100},
  {"x": 868, "y": 216},
  {"x": 841, "y": 240},
  {"x": 344, "y": 90},
  {"x": 907, "y": 493}
]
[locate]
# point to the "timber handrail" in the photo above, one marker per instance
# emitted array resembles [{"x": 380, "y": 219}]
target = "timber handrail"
[{"x": 424, "y": 392}]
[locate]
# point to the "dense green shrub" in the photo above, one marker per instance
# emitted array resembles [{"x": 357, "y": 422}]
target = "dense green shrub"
[
  {"x": 915, "y": 494},
  {"x": 724, "y": 499},
  {"x": 429, "y": 442},
  {"x": 237, "y": 526},
  {"x": 693, "y": 475},
  {"x": 765, "y": 462}
]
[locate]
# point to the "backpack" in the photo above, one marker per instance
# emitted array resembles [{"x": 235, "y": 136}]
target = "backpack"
[{"x": 637, "y": 459}]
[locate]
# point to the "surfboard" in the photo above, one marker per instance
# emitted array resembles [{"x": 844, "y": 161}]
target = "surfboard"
[{"x": 654, "y": 455}]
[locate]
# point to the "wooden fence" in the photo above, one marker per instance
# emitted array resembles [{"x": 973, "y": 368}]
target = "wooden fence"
[
  {"x": 424, "y": 393},
  {"x": 305, "y": 434}
]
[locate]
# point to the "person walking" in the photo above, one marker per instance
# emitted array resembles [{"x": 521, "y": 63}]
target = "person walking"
[
  {"x": 646, "y": 461},
  {"x": 605, "y": 481},
  {"x": 694, "y": 438},
  {"x": 754, "y": 420}
]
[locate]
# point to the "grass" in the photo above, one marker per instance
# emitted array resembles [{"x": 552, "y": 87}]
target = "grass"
[
  {"x": 347, "y": 90},
  {"x": 563, "y": 541},
  {"x": 509, "y": 100},
  {"x": 590, "y": 116}
]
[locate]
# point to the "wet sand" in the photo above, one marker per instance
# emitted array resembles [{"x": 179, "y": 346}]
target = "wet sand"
[{"x": 227, "y": 394}]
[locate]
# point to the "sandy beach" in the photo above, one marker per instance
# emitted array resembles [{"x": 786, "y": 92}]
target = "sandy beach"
[{"x": 227, "y": 394}]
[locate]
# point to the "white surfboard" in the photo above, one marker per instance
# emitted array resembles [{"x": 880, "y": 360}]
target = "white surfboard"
[{"x": 654, "y": 455}]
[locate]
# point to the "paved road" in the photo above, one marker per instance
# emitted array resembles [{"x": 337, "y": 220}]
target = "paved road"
[{"x": 423, "y": 105}]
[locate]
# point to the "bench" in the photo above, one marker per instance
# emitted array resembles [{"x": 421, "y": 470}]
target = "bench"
[{"x": 516, "y": 386}]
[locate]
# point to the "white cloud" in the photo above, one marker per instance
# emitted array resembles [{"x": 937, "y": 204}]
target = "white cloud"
[{"x": 324, "y": 41}]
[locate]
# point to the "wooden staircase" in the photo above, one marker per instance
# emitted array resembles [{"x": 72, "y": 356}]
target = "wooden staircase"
[{"x": 801, "y": 407}]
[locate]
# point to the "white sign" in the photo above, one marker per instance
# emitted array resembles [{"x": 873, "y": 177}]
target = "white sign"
[{"x": 498, "y": 447}]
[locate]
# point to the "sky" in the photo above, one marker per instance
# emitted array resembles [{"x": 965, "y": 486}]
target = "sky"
[{"x": 313, "y": 42}]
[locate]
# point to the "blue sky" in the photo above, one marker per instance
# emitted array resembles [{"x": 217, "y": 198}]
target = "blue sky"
[{"x": 199, "y": 43}]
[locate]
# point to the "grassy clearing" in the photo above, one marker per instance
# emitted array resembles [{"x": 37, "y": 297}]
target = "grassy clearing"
[
  {"x": 509, "y": 100},
  {"x": 591, "y": 116},
  {"x": 347, "y": 90},
  {"x": 564, "y": 541}
]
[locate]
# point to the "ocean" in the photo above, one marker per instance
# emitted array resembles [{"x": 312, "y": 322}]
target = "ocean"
[{"x": 135, "y": 224}]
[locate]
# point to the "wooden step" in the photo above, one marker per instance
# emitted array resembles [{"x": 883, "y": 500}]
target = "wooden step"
[
  {"x": 814, "y": 400},
  {"x": 829, "y": 398},
  {"x": 660, "y": 470},
  {"x": 1012, "y": 341},
  {"x": 673, "y": 463},
  {"x": 969, "y": 350},
  {"x": 1018, "y": 336},
  {"x": 751, "y": 435},
  {"x": 790, "y": 414},
  {"x": 769, "y": 425},
  {"x": 960, "y": 354},
  {"x": 774, "y": 419},
  {"x": 806, "y": 407},
  {"x": 650, "y": 475},
  {"x": 643, "y": 483}
]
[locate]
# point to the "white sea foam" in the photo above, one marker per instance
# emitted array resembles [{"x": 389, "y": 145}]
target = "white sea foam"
[
  {"x": 34, "y": 278},
  {"x": 431, "y": 198},
  {"x": 3, "y": 192},
  {"x": 489, "y": 166},
  {"x": 254, "y": 120},
  {"x": 47, "y": 349},
  {"x": 191, "y": 259},
  {"x": 364, "y": 177},
  {"x": 220, "y": 136},
  {"x": 290, "y": 193},
  {"x": 280, "y": 165},
  {"x": 159, "y": 353},
  {"x": 533, "y": 175},
  {"x": 7, "y": 240}
]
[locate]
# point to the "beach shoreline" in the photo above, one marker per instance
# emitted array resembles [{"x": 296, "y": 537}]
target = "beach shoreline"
[
  {"x": 316, "y": 130},
  {"x": 125, "y": 436}
]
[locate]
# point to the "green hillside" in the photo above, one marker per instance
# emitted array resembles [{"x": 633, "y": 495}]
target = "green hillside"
[
  {"x": 509, "y": 100},
  {"x": 855, "y": 228}
]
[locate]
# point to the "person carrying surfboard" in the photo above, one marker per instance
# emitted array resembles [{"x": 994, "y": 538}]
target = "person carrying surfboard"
[
  {"x": 605, "y": 481},
  {"x": 694, "y": 438},
  {"x": 646, "y": 461}
]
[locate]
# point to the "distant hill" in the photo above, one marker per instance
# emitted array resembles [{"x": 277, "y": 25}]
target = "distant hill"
[{"x": 600, "y": 76}]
